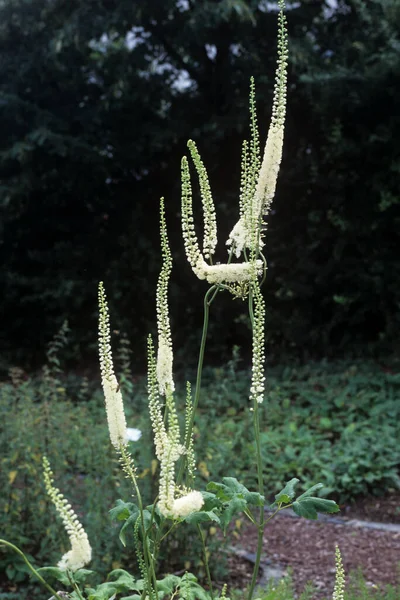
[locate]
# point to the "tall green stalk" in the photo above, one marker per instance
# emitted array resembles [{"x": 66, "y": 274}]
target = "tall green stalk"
[
  {"x": 206, "y": 565},
  {"x": 207, "y": 303}
]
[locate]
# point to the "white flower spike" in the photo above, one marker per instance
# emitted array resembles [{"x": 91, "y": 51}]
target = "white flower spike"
[
  {"x": 81, "y": 552},
  {"x": 112, "y": 393},
  {"x": 164, "y": 351}
]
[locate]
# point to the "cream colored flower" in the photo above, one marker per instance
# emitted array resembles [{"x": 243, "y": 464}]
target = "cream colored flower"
[
  {"x": 259, "y": 184},
  {"x": 112, "y": 393},
  {"x": 192, "y": 502},
  {"x": 81, "y": 552},
  {"x": 228, "y": 273},
  {"x": 165, "y": 355},
  {"x": 338, "y": 593},
  {"x": 79, "y": 555},
  {"x": 115, "y": 411}
]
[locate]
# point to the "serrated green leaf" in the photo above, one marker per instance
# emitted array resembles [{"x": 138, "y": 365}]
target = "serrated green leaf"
[
  {"x": 286, "y": 495},
  {"x": 55, "y": 573},
  {"x": 231, "y": 487},
  {"x": 168, "y": 584},
  {"x": 122, "y": 578},
  {"x": 309, "y": 507},
  {"x": 123, "y": 510},
  {"x": 210, "y": 501},
  {"x": 202, "y": 517},
  {"x": 129, "y": 523},
  {"x": 233, "y": 507},
  {"x": 312, "y": 489},
  {"x": 81, "y": 575}
]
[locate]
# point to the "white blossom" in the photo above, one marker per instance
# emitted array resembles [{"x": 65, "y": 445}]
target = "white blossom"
[
  {"x": 112, "y": 393},
  {"x": 79, "y": 555},
  {"x": 132, "y": 434},
  {"x": 115, "y": 411},
  {"x": 81, "y": 552},
  {"x": 229, "y": 273},
  {"x": 164, "y": 366},
  {"x": 192, "y": 502}
]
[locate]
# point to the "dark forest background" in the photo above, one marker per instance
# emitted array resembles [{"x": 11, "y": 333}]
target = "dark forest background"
[{"x": 97, "y": 101}]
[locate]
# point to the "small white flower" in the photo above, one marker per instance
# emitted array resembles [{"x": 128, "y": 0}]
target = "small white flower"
[
  {"x": 79, "y": 555},
  {"x": 132, "y": 434},
  {"x": 192, "y": 502}
]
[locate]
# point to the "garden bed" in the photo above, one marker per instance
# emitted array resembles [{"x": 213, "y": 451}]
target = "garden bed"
[{"x": 306, "y": 548}]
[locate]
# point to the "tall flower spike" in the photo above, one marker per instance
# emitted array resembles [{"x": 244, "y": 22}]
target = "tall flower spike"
[
  {"x": 164, "y": 352},
  {"x": 191, "y": 243},
  {"x": 257, "y": 388},
  {"x": 81, "y": 552},
  {"x": 189, "y": 442},
  {"x": 225, "y": 273},
  {"x": 112, "y": 394},
  {"x": 338, "y": 592},
  {"x": 210, "y": 220},
  {"x": 156, "y": 415},
  {"x": 260, "y": 202}
]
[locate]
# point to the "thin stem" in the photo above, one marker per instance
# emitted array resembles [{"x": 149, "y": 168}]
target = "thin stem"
[
  {"x": 31, "y": 567},
  {"x": 169, "y": 531},
  {"x": 206, "y": 561},
  {"x": 207, "y": 302},
  {"x": 129, "y": 470},
  {"x": 75, "y": 586}
]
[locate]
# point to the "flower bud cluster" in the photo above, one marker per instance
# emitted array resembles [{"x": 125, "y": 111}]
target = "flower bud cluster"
[
  {"x": 81, "y": 552},
  {"x": 338, "y": 592},
  {"x": 258, "y": 185},
  {"x": 167, "y": 442},
  {"x": 210, "y": 220},
  {"x": 164, "y": 351},
  {"x": 112, "y": 394},
  {"x": 257, "y": 388}
]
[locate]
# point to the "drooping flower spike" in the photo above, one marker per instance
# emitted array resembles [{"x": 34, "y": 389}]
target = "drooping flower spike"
[{"x": 81, "y": 552}]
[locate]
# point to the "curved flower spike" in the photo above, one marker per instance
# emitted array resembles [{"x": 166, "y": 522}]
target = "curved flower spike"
[{"x": 257, "y": 203}]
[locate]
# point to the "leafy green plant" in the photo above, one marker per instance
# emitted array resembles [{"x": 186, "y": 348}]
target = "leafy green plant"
[{"x": 178, "y": 502}]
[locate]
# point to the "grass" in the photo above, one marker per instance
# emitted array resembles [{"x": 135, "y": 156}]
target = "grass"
[{"x": 336, "y": 423}]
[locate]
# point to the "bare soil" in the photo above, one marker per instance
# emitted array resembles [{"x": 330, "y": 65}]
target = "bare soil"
[
  {"x": 383, "y": 509},
  {"x": 307, "y": 548}
]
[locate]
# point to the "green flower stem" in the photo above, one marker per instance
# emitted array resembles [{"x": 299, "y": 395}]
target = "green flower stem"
[
  {"x": 207, "y": 302},
  {"x": 249, "y": 515},
  {"x": 169, "y": 531},
  {"x": 149, "y": 562},
  {"x": 74, "y": 585},
  {"x": 206, "y": 561},
  {"x": 31, "y": 567},
  {"x": 261, "y": 523}
]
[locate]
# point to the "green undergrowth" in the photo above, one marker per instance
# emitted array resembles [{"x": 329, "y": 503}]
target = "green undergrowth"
[{"x": 336, "y": 423}]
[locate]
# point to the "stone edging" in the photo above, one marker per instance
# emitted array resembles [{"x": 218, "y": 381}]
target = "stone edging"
[{"x": 391, "y": 527}]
